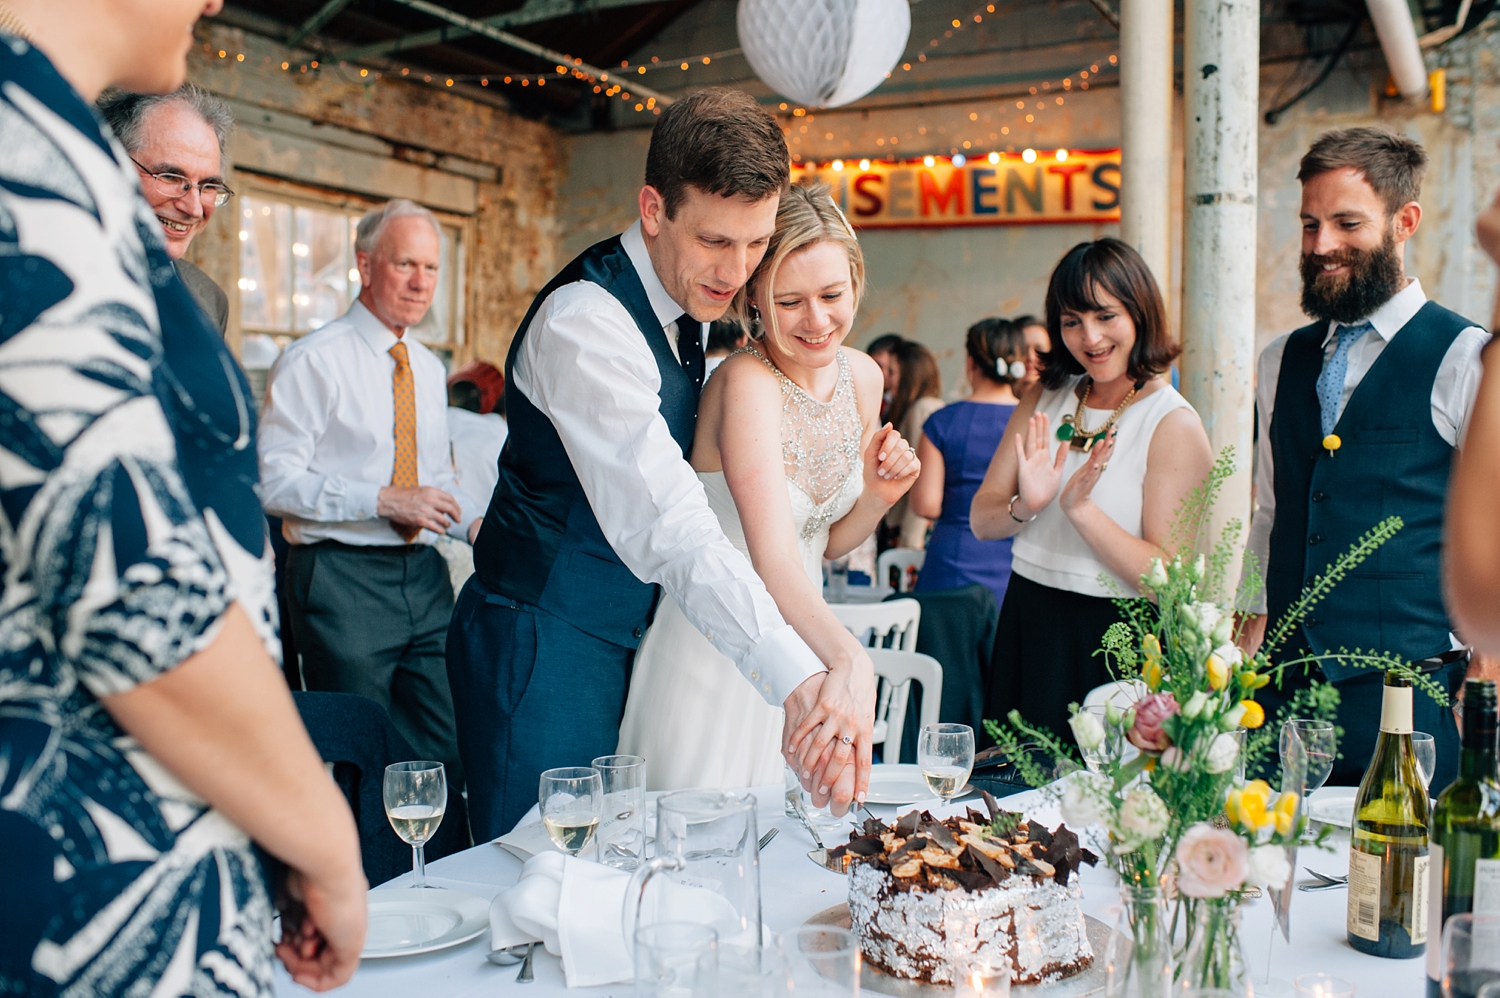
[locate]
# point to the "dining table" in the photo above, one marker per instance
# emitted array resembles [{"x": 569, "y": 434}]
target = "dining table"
[{"x": 794, "y": 889}]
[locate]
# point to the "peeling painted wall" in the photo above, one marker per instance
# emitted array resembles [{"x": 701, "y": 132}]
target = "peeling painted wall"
[{"x": 392, "y": 138}]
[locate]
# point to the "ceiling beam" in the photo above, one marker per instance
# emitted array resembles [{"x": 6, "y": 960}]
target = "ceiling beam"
[
  {"x": 524, "y": 45},
  {"x": 325, "y": 14},
  {"x": 529, "y": 13}
]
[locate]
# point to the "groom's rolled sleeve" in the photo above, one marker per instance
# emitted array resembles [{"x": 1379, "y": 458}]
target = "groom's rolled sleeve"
[{"x": 587, "y": 367}]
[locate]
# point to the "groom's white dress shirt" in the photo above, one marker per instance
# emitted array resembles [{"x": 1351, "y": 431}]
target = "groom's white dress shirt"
[{"x": 587, "y": 367}]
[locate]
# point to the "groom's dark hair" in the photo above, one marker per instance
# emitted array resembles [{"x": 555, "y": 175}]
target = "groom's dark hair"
[{"x": 718, "y": 141}]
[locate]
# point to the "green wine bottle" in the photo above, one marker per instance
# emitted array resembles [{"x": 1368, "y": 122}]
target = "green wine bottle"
[
  {"x": 1464, "y": 857},
  {"x": 1388, "y": 843}
]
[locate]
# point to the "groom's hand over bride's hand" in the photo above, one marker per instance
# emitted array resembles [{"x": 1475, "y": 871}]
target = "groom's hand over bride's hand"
[
  {"x": 819, "y": 713},
  {"x": 891, "y": 465}
]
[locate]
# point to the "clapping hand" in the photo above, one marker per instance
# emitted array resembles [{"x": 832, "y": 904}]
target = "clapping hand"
[
  {"x": 1038, "y": 474},
  {"x": 891, "y": 465},
  {"x": 1081, "y": 486}
]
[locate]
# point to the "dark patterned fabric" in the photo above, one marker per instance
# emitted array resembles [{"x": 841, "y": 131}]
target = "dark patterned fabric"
[{"x": 128, "y": 525}]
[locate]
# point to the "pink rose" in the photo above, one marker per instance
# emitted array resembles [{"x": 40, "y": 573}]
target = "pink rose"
[
  {"x": 1150, "y": 711},
  {"x": 1211, "y": 862}
]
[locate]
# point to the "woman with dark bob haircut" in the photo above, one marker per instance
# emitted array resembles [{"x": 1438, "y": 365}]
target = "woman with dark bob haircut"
[{"x": 1088, "y": 477}]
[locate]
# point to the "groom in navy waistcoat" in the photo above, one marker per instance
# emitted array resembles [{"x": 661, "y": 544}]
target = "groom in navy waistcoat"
[
  {"x": 1360, "y": 414},
  {"x": 597, "y": 511}
]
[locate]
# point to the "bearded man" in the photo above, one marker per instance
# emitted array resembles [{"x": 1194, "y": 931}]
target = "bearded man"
[{"x": 1360, "y": 416}]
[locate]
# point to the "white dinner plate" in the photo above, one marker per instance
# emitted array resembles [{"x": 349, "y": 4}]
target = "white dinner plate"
[
  {"x": 407, "y": 921},
  {"x": 1333, "y": 806},
  {"x": 901, "y": 784}
]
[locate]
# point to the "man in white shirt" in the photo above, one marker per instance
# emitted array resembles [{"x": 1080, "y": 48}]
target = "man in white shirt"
[
  {"x": 597, "y": 510},
  {"x": 1360, "y": 414},
  {"x": 354, "y": 457}
]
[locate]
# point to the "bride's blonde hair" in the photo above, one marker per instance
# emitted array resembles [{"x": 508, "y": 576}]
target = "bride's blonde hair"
[{"x": 807, "y": 215}]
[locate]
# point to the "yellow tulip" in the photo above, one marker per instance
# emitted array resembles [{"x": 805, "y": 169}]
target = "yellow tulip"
[
  {"x": 1261, "y": 789},
  {"x": 1151, "y": 673},
  {"x": 1218, "y": 673},
  {"x": 1253, "y": 813},
  {"x": 1232, "y": 807},
  {"x": 1151, "y": 646},
  {"x": 1284, "y": 815},
  {"x": 1255, "y": 714}
]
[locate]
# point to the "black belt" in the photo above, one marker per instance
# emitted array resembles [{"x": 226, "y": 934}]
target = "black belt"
[
  {"x": 1439, "y": 661},
  {"x": 367, "y": 548}
]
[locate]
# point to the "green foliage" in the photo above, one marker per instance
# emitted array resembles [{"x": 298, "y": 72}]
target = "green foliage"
[
  {"x": 1192, "y": 517},
  {"x": 1319, "y": 700},
  {"x": 1022, "y": 743},
  {"x": 1323, "y": 584},
  {"x": 1005, "y": 822},
  {"x": 1121, "y": 651}
]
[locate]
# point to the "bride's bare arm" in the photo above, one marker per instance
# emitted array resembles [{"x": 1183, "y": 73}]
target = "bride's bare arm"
[
  {"x": 749, "y": 451},
  {"x": 890, "y": 463}
]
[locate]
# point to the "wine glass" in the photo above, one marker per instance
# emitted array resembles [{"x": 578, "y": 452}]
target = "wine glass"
[
  {"x": 1319, "y": 746},
  {"x": 945, "y": 753},
  {"x": 572, "y": 800},
  {"x": 1468, "y": 963},
  {"x": 1094, "y": 758},
  {"x": 416, "y": 794},
  {"x": 1425, "y": 749}
]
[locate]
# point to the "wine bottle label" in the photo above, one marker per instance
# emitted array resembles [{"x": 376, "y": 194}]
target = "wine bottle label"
[
  {"x": 1487, "y": 887},
  {"x": 1435, "y": 874},
  {"x": 1419, "y": 900},
  {"x": 1364, "y": 895},
  {"x": 1395, "y": 710}
]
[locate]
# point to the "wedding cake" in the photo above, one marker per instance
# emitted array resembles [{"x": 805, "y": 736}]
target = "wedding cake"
[{"x": 927, "y": 896}]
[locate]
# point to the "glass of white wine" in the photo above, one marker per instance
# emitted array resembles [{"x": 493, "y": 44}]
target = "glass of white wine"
[
  {"x": 945, "y": 753},
  {"x": 416, "y": 794},
  {"x": 572, "y": 799}
]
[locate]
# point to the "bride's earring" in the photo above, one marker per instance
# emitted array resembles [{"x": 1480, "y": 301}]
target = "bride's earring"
[{"x": 757, "y": 331}]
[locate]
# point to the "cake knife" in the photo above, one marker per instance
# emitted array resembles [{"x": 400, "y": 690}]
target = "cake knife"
[{"x": 820, "y": 854}]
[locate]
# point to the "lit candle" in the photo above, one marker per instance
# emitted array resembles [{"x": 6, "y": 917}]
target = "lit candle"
[{"x": 979, "y": 979}]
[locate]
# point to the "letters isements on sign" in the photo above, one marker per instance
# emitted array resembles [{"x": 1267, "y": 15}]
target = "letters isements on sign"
[{"x": 1049, "y": 188}]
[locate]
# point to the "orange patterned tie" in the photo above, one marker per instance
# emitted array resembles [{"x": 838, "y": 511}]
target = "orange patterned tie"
[{"x": 404, "y": 468}]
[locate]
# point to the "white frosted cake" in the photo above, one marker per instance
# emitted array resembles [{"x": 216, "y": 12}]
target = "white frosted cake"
[{"x": 926, "y": 896}]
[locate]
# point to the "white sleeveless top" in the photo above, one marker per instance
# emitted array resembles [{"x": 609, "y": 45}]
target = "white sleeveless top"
[{"x": 1048, "y": 550}]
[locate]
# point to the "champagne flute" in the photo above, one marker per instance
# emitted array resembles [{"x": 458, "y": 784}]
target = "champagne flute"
[
  {"x": 1319, "y": 746},
  {"x": 572, "y": 800},
  {"x": 416, "y": 794},
  {"x": 945, "y": 753},
  {"x": 1425, "y": 749}
]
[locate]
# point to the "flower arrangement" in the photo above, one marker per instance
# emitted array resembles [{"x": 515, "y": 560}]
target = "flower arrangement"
[{"x": 1163, "y": 776}]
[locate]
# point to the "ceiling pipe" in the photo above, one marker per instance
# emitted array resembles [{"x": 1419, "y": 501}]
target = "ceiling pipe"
[{"x": 1398, "y": 40}]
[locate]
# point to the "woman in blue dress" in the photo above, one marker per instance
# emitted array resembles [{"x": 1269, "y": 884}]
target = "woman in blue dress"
[
  {"x": 957, "y": 444},
  {"x": 147, "y": 738}
]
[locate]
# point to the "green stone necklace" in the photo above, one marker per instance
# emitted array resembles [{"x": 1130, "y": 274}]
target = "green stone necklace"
[{"x": 1073, "y": 432}]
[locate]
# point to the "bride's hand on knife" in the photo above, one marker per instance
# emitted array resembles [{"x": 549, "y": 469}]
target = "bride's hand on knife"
[
  {"x": 821, "y": 713},
  {"x": 891, "y": 465}
]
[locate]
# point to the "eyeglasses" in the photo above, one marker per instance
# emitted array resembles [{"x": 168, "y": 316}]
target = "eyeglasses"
[{"x": 175, "y": 185}]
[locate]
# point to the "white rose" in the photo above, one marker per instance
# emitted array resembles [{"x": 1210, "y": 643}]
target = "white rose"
[
  {"x": 1085, "y": 799},
  {"x": 1156, "y": 575},
  {"x": 1087, "y": 730},
  {"x": 1143, "y": 816},
  {"x": 1229, "y": 654},
  {"x": 1268, "y": 866},
  {"x": 1209, "y": 616},
  {"x": 1223, "y": 753}
]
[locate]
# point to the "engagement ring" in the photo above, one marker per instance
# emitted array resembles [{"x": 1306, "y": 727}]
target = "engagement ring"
[{"x": 847, "y": 740}]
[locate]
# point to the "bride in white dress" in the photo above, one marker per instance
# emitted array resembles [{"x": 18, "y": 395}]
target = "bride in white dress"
[{"x": 797, "y": 467}]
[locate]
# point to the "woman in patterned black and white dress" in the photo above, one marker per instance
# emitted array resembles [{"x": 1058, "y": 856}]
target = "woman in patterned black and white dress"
[{"x": 146, "y": 735}]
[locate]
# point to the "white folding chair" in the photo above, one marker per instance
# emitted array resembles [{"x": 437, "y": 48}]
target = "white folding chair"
[
  {"x": 872, "y": 624},
  {"x": 1122, "y": 693},
  {"x": 903, "y": 558},
  {"x": 897, "y": 670}
]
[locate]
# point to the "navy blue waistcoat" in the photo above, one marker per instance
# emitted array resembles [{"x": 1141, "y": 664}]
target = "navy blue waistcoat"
[
  {"x": 1392, "y": 462},
  {"x": 540, "y": 542}
]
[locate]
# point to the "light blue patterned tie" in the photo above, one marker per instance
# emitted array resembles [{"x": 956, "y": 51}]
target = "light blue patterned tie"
[{"x": 1331, "y": 381}]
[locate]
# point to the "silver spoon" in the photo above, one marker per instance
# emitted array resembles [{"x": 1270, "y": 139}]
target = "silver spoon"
[
  {"x": 524, "y": 977},
  {"x": 507, "y": 957}
]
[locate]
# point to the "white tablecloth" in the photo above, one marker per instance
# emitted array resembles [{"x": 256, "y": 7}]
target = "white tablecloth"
[{"x": 793, "y": 889}]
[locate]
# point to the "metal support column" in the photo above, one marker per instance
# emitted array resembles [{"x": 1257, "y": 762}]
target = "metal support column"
[
  {"x": 1221, "y": 87},
  {"x": 1146, "y": 131}
]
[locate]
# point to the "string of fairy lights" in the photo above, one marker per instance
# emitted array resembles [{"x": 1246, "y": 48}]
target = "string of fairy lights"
[{"x": 797, "y": 121}]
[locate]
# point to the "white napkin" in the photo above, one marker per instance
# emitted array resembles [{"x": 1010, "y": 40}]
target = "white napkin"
[
  {"x": 574, "y": 908},
  {"x": 527, "y": 840}
]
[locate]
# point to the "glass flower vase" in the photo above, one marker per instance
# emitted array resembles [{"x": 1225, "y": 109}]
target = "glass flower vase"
[
  {"x": 1213, "y": 959},
  {"x": 1138, "y": 962}
]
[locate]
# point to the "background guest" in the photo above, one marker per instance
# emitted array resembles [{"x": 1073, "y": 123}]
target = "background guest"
[
  {"x": 919, "y": 393},
  {"x": 1038, "y": 342},
  {"x": 1473, "y": 541},
  {"x": 1360, "y": 415},
  {"x": 957, "y": 444},
  {"x": 476, "y": 432},
  {"x": 1104, "y": 503},
  {"x": 147, "y": 735},
  {"x": 725, "y": 336},
  {"x": 354, "y": 457},
  {"x": 882, "y": 350},
  {"x": 177, "y": 142}
]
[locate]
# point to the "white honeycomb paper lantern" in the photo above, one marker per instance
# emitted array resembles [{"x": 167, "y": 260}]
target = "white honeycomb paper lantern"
[{"x": 823, "y": 53}]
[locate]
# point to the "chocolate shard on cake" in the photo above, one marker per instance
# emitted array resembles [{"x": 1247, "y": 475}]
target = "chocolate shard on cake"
[{"x": 925, "y": 894}]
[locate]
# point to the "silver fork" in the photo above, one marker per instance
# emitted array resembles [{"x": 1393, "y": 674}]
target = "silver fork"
[{"x": 765, "y": 839}]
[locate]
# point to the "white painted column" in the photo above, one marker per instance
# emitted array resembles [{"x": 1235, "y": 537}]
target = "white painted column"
[
  {"x": 1146, "y": 131},
  {"x": 1221, "y": 86}
]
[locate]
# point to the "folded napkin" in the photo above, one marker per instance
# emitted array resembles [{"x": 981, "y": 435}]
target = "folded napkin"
[
  {"x": 527, "y": 840},
  {"x": 575, "y": 909}
]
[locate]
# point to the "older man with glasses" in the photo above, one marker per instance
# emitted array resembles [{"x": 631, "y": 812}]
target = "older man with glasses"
[{"x": 177, "y": 142}]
